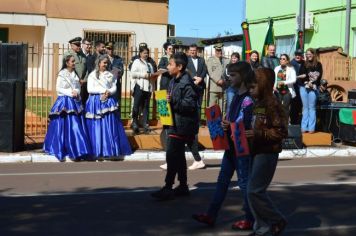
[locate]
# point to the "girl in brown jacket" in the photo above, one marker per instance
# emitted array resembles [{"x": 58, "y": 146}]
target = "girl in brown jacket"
[{"x": 269, "y": 128}]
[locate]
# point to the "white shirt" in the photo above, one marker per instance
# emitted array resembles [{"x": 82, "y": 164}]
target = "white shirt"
[
  {"x": 139, "y": 72},
  {"x": 67, "y": 82},
  {"x": 106, "y": 82},
  {"x": 291, "y": 78},
  {"x": 195, "y": 62}
]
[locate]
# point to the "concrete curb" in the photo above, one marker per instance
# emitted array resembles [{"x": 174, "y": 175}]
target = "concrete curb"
[{"x": 310, "y": 152}]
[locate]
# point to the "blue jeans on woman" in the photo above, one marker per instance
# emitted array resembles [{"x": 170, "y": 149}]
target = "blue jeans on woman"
[
  {"x": 309, "y": 99},
  {"x": 229, "y": 164},
  {"x": 263, "y": 167}
]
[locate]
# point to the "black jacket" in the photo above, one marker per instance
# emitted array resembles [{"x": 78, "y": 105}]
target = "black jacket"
[
  {"x": 165, "y": 78},
  {"x": 184, "y": 104},
  {"x": 270, "y": 62}
]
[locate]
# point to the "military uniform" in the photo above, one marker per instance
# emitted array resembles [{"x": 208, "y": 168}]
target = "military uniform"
[
  {"x": 80, "y": 67},
  {"x": 116, "y": 67},
  {"x": 216, "y": 68}
]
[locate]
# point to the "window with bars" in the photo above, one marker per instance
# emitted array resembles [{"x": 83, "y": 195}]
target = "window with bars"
[{"x": 122, "y": 41}]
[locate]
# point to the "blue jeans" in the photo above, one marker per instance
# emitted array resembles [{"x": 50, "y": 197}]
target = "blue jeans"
[
  {"x": 230, "y": 93},
  {"x": 229, "y": 164},
  {"x": 309, "y": 98},
  {"x": 261, "y": 173}
]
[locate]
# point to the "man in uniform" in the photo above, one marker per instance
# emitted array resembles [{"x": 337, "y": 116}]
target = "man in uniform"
[
  {"x": 216, "y": 66},
  {"x": 80, "y": 65}
]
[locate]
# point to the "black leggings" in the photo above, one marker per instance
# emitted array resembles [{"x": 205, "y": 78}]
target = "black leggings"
[{"x": 141, "y": 99}]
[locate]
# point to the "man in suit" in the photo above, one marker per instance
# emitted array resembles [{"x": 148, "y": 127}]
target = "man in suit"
[
  {"x": 197, "y": 69},
  {"x": 216, "y": 66},
  {"x": 86, "y": 47},
  {"x": 80, "y": 64}
]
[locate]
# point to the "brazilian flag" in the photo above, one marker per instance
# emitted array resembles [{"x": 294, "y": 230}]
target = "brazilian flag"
[{"x": 269, "y": 37}]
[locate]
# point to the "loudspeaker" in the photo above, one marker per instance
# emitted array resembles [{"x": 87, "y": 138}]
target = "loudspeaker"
[
  {"x": 294, "y": 139},
  {"x": 12, "y": 115},
  {"x": 347, "y": 133},
  {"x": 13, "y": 62}
]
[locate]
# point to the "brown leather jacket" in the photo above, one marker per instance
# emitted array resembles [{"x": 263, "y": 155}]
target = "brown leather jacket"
[{"x": 270, "y": 127}]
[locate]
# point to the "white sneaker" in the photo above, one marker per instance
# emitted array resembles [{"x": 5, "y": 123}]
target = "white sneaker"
[
  {"x": 197, "y": 165},
  {"x": 164, "y": 166}
]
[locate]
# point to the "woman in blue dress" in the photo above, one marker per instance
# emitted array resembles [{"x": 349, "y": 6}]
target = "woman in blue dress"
[
  {"x": 66, "y": 134},
  {"x": 106, "y": 132}
]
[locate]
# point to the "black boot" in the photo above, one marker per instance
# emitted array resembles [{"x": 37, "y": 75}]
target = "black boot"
[
  {"x": 134, "y": 127},
  {"x": 146, "y": 129}
]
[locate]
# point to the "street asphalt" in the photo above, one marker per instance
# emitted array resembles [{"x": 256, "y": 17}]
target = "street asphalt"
[{"x": 317, "y": 195}]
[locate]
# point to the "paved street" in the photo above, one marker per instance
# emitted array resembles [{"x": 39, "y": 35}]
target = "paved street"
[{"x": 112, "y": 198}]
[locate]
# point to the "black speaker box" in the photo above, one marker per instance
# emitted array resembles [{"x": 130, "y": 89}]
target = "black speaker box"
[
  {"x": 294, "y": 139},
  {"x": 13, "y": 62},
  {"x": 12, "y": 116},
  {"x": 347, "y": 133}
]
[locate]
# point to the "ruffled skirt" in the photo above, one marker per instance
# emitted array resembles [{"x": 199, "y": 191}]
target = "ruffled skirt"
[
  {"x": 67, "y": 134},
  {"x": 106, "y": 132}
]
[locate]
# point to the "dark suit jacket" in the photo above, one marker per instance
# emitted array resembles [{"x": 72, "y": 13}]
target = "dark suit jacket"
[{"x": 201, "y": 72}]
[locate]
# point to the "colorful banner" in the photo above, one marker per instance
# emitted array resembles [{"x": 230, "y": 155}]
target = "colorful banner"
[
  {"x": 269, "y": 38},
  {"x": 164, "y": 108},
  {"x": 239, "y": 138},
  {"x": 246, "y": 44},
  {"x": 217, "y": 134}
]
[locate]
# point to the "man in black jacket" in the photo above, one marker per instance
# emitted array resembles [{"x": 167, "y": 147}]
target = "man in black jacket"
[
  {"x": 270, "y": 61},
  {"x": 99, "y": 50},
  {"x": 183, "y": 98}
]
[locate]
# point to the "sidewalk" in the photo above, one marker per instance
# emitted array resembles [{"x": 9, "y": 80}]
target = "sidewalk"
[{"x": 310, "y": 152}]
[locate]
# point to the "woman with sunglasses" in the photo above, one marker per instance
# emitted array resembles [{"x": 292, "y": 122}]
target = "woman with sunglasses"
[{"x": 284, "y": 82}]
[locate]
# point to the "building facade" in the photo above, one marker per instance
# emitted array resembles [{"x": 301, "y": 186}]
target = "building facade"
[
  {"x": 325, "y": 23},
  {"x": 51, "y": 21}
]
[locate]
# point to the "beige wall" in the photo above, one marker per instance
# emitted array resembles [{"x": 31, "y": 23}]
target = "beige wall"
[
  {"x": 21, "y": 33},
  {"x": 151, "y": 12}
]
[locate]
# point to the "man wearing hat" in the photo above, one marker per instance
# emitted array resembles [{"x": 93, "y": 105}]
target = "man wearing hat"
[
  {"x": 216, "y": 66},
  {"x": 149, "y": 59},
  {"x": 116, "y": 67},
  {"x": 80, "y": 64},
  {"x": 296, "y": 102}
]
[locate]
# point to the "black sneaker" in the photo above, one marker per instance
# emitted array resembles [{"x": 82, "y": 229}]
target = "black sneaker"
[
  {"x": 181, "y": 191},
  {"x": 164, "y": 194}
]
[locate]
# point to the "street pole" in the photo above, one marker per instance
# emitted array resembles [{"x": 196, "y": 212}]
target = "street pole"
[
  {"x": 302, "y": 21},
  {"x": 347, "y": 27}
]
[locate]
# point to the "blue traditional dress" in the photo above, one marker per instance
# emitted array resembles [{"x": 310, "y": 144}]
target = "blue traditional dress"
[
  {"x": 67, "y": 134},
  {"x": 106, "y": 132}
]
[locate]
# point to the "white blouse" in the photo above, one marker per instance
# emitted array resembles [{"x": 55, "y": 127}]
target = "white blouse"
[
  {"x": 139, "y": 71},
  {"x": 67, "y": 82},
  {"x": 106, "y": 82},
  {"x": 291, "y": 78}
]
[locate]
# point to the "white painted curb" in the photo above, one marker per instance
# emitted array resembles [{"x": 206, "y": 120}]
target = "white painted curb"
[{"x": 310, "y": 152}]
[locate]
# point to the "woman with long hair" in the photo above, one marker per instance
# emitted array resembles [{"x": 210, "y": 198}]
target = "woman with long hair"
[
  {"x": 141, "y": 72},
  {"x": 67, "y": 134},
  {"x": 284, "y": 83},
  {"x": 268, "y": 129},
  {"x": 255, "y": 60},
  {"x": 310, "y": 74},
  {"x": 106, "y": 132}
]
